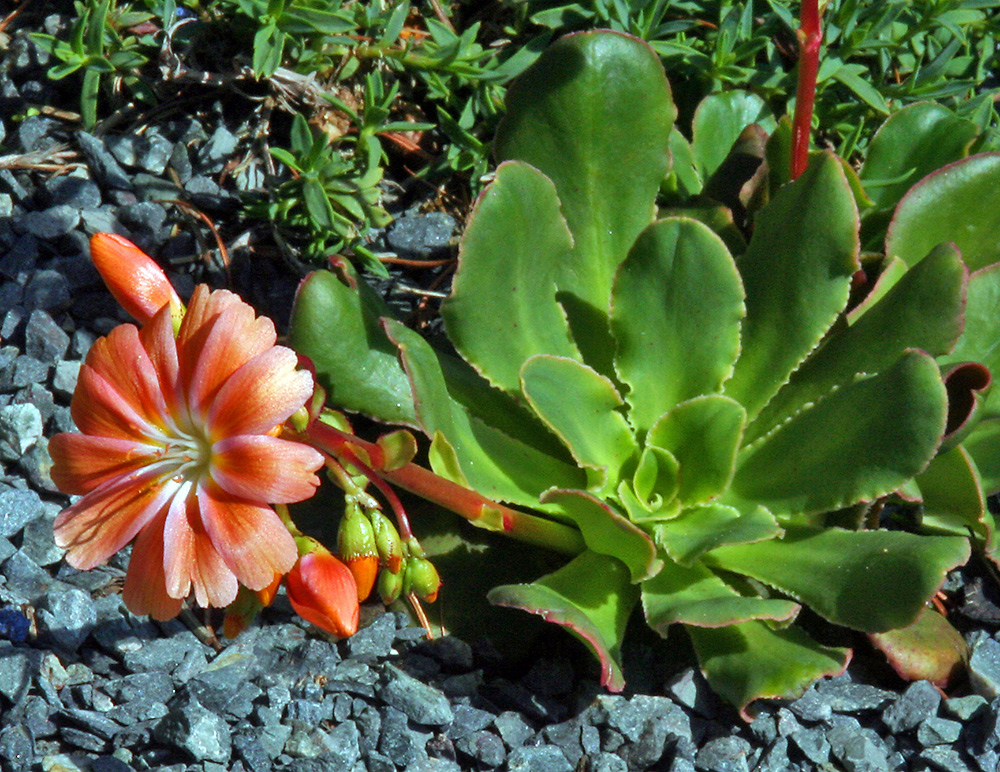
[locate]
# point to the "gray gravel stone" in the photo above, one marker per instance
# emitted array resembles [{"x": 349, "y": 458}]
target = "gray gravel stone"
[
  {"x": 75, "y": 191},
  {"x": 513, "y": 729},
  {"x": 984, "y": 667},
  {"x": 68, "y": 617},
  {"x": 813, "y": 744},
  {"x": 47, "y": 289},
  {"x": 920, "y": 701},
  {"x": 546, "y": 758},
  {"x": 945, "y": 760},
  {"x": 17, "y": 509},
  {"x": 16, "y": 668},
  {"x": 192, "y": 728},
  {"x": 45, "y": 340},
  {"x": 421, "y": 235},
  {"x": 856, "y": 749},
  {"x": 102, "y": 163},
  {"x": 20, "y": 428},
  {"x": 17, "y": 748},
  {"x": 423, "y": 704},
  {"x": 397, "y": 741},
  {"x": 51, "y": 223},
  {"x": 485, "y": 747},
  {"x": 375, "y": 640},
  {"x": 811, "y": 707},
  {"x": 938, "y": 731},
  {"x": 27, "y": 582},
  {"x": 724, "y": 754},
  {"x": 964, "y": 708}
]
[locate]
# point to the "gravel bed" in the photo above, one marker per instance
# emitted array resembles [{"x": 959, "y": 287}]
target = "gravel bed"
[{"x": 85, "y": 685}]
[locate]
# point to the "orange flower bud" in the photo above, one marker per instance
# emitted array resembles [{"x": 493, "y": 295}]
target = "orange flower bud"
[
  {"x": 322, "y": 590},
  {"x": 266, "y": 596},
  {"x": 134, "y": 278},
  {"x": 356, "y": 547}
]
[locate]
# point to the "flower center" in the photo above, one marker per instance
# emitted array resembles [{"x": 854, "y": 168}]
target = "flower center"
[{"x": 184, "y": 456}]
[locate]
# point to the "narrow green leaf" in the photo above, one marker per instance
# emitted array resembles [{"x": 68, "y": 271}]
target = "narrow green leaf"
[
  {"x": 675, "y": 316},
  {"x": 703, "y": 434},
  {"x": 866, "y": 580},
  {"x": 582, "y": 407},
  {"x": 697, "y": 530},
  {"x": 862, "y": 441},
  {"x": 318, "y": 204},
  {"x": 606, "y": 169},
  {"x": 959, "y": 203},
  {"x": 923, "y": 310},
  {"x": 595, "y": 612},
  {"x": 496, "y": 465},
  {"x": 502, "y": 308},
  {"x": 796, "y": 273},
  {"x": 607, "y": 532},
  {"x": 356, "y": 363},
  {"x": 751, "y": 661},
  {"x": 694, "y": 595}
]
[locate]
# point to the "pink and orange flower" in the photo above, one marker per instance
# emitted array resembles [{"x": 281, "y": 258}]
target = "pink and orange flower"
[{"x": 180, "y": 450}]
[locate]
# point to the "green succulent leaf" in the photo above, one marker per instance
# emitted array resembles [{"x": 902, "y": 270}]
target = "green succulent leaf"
[
  {"x": 703, "y": 434},
  {"x": 606, "y": 170},
  {"x": 582, "y": 407},
  {"x": 675, "y": 316},
  {"x": 491, "y": 462},
  {"x": 683, "y": 168},
  {"x": 718, "y": 123},
  {"x": 980, "y": 341},
  {"x": 594, "y": 612},
  {"x": 866, "y": 580},
  {"x": 607, "y": 532},
  {"x": 656, "y": 479},
  {"x": 697, "y": 530},
  {"x": 952, "y": 494},
  {"x": 502, "y": 308},
  {"x": 983, "y": 445},
  {"x": 911, "y": 144},
  {"x": 695, "y": 595},
  {"x": 751, "y": 661},
  {"x": 959, "y": 203},
  {"x": 928, "y": 649},
  {"x": 923, "y": 311},
  {"x": 356, "y": 363},
  {"x": 862, "y": 441},
  {"x": 796, "y": 272}
]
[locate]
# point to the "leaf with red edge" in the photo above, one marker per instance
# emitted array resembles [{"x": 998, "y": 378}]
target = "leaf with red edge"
[
  {"x": 596, "y": 612},
  {"x": 929, "y": 649}
]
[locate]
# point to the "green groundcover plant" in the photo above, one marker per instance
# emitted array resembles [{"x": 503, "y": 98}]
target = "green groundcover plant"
[{"x": 705, "y": 403}]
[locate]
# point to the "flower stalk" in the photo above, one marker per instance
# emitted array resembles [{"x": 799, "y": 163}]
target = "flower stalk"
[{"x": 810, "y": 35}]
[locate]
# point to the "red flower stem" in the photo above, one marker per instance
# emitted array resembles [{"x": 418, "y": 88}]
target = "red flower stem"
[
  {"x": 477, "y": 509},
  {"x": 397, "y": 506},
  {"x": 810, "y": 37}
]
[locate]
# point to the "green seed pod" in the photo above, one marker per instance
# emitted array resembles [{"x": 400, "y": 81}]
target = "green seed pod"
[
  {"x": 387, "y": 541},
  {"x": 423, "y": 579},
  {"x": 355, "y": 537},
  {"x": 390, "y": 586}
]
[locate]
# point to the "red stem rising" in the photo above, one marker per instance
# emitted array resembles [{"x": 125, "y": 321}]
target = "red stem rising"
[{"x": 810, "y": 38}]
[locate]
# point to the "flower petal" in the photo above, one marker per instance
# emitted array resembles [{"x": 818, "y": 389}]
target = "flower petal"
[
  {"x": 322, "y": 590},
  {"x": 252, "y": 540},
  {"x": 190, "y": 559},
  {"x": 81, "y": 462},
  {"x": 226, "y": 335},
  {"x": 145, "y": 590},
  {"x": 260, "y": 395},
  {"x": 266, "y": 469},
  {"x": 99, "y": 408},
  {"x": 106, "y": 519},
  {"x": 121, "y": 359},
  {"x": 158, "y": 340}
]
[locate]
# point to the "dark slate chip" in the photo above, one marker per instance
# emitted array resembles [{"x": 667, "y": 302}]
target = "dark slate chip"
[
  {"x": 420, "y": 702},
  {"x": 421, "y": 235},
  {"x": 68, "y": 617},
  {"x": 724, "y": 754},
  {"x": 984, "y": 666},
  {"x": 945, "y": 760},
  {"x": 484, "y": 747},
  {"x": 545, "y": 758},
  {"x": 920, "y": 701},
  {"x": 192, "y": 728},
  {"x": 102, "y": 163},
  {"x": 17, "y": 509},
  {"x": 73, "y": 191},
  {"x": 373, "y": 641},
  {"x": 47, "y": 289},
  {"x": 17, "y": 748}
]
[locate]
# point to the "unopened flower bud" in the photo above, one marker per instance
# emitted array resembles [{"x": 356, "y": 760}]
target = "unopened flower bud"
[
  {"x": 387, "y": 541},
  {"x": 390, "y": 585},
  {"x": 134, "y": 278},
  {"x": 356, "y": 547},
  {"x": 422, "y": 579},
  {"x": 322, "y": 590}
]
